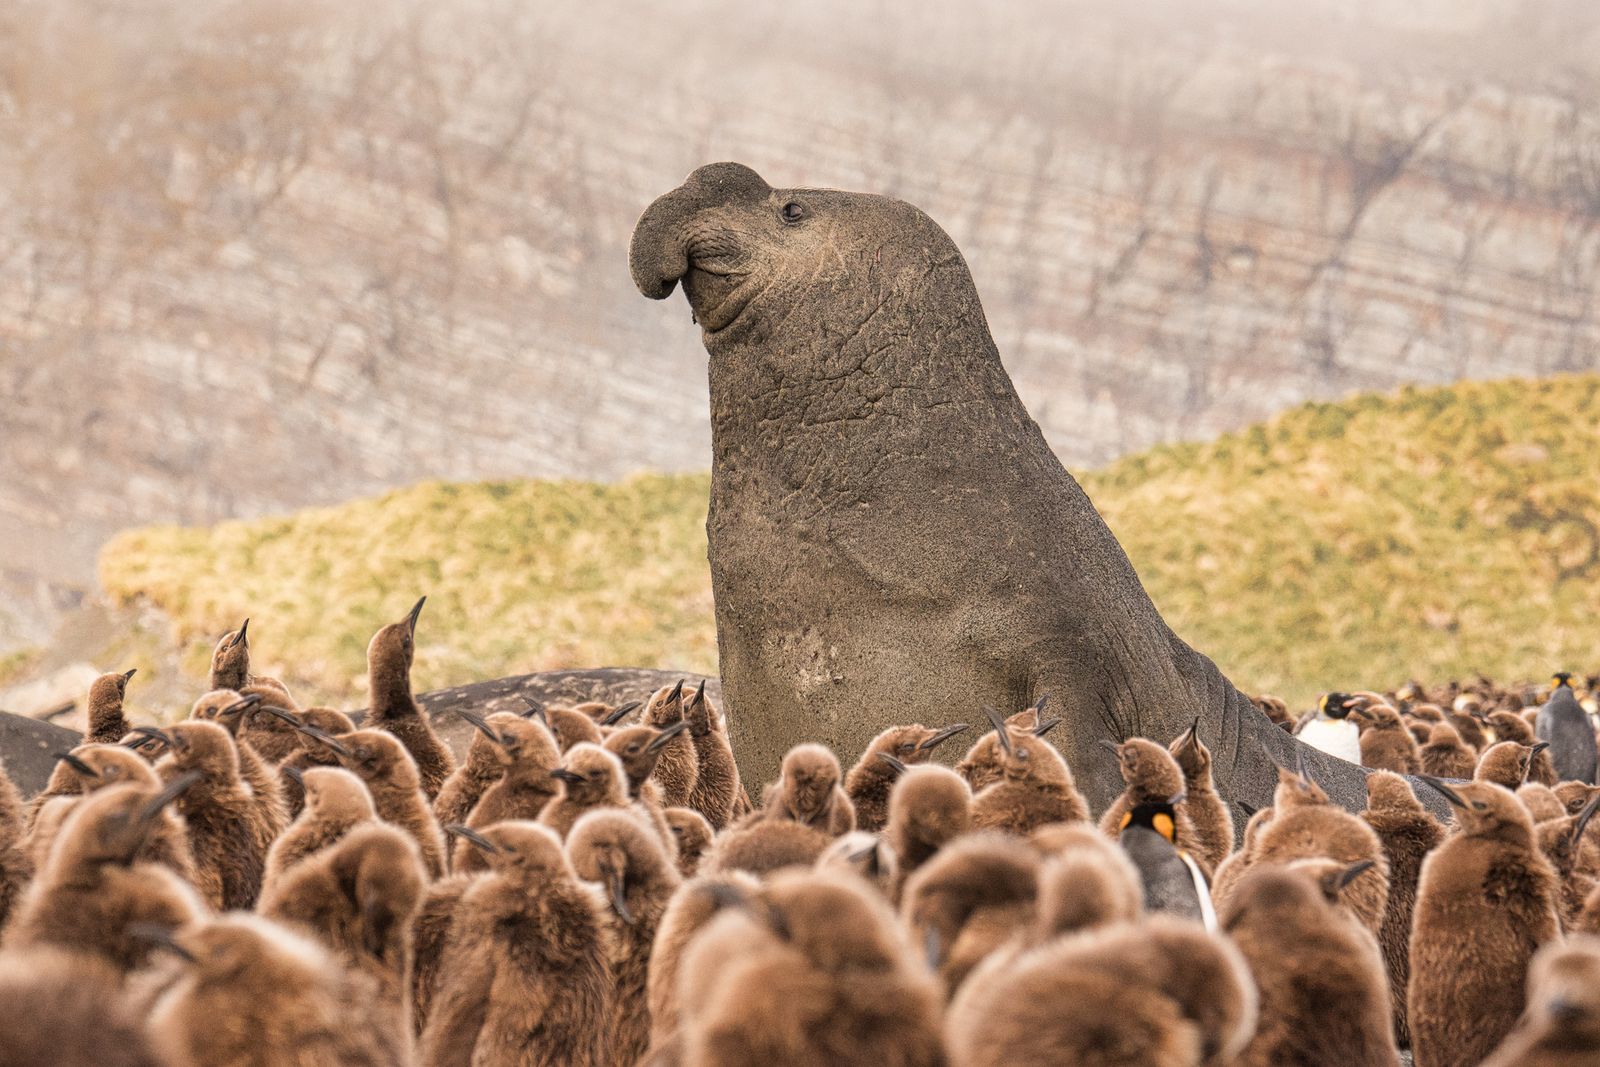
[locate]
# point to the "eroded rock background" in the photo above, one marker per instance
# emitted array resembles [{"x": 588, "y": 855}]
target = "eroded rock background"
[{"x": 256, "y": 255}]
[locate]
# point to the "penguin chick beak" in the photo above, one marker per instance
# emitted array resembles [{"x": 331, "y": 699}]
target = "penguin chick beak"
[
  {"x": 411, "y": 617},
  {"x": 480, "y": 724},
  {"x": 895, "y": 764},
  {"x": 318, "y": 734},
  {"x": 243, "y": 704},
  {"x": 621, "y": 713},
  {"x": 1111, "y": 747},
  {"x": 570, "y": 777},
  {"x": 297, "y": 774},
  {"x": 471, "y": 836},
  {"x": 941, "y": 736},
  {"x": 869, "y": 858},
  {"x": 536, "y": 710},
  {"x": 1191, "y": 736},
  {"x": 127, "y": 675},
  {"x": 661, "y": 740},
  {"x": 1038, "y": 705},
  {"x": 619, "y": 899},
  {"x": 159, "y": 936},
  {"x": 676, "y": 696},
  {"x": 1443, "y": 790},
  {"x": 153, "y": 734},
  {"x": 1581, "y": 823},
  {"x": 239, "y": 637},
  {"x": 1354, "y": 871},
  {"x": 77, "y": 764},
  {"x": 1047, "y": 725},
  {"x": 1002, "y": 734},
  {"x": 699, "y": 695}
]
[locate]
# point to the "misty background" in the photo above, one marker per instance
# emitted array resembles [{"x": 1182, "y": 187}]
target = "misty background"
[{"x": 257, "y": 255}]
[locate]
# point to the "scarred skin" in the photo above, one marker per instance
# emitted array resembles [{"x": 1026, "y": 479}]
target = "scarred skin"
[{"x": 865, "y": 439}]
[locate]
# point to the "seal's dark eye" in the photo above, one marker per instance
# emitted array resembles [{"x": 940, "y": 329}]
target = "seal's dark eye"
[{"x": 793, "y": 212}]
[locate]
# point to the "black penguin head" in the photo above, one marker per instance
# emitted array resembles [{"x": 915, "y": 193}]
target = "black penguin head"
[
  {"x": 1160, "y": 816},
  {"x": 1560, "y": 679},
  {"x": 1335, "y": 705}
]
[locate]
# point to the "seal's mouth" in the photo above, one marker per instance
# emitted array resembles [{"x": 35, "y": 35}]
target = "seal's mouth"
[{"x": 717, "y": 294}]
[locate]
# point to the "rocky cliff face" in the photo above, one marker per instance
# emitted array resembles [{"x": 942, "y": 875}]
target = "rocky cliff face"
[{"x": 256, "y": 256}]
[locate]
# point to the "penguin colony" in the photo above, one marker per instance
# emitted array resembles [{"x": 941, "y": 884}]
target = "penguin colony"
[{"x": 262, "y": 883}]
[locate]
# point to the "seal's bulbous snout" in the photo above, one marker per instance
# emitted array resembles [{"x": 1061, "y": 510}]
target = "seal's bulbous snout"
[{"x": 658, "y": 255}]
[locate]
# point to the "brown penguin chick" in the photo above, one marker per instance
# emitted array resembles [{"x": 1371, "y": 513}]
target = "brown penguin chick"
[
  {"x": 1487, "y": 899},
  {"x": 481, "y": 768},
  {"x": 590, "y": 778},
  {"x": 762, "y": 847},
  {"x": 569, "y": 726},
  {"x": 93, "y": 888},
  {"x": 41, "y": 836},
  {"x": 1305, "y": 825},
  {"x": 870, "y": 780},
  {"x": 1408, "y": 832},
  {"x": 678, "y": 768},
  {"x": 695, "y": 904},
  {"x": 228, "y": 831},
  {"x": 813, "y": 972},
  {"x": 360, "y": 897},
  {"x": 67, "y": 1009},
  {"x": 1212, "y": 841},
  {"x": 1509, "y": 726},
  {"x": 983, "y": 763},
  {"x": 693, "y": 835},
  {"x": 16, "y": 868},
  {"x": 246, "y": 991},
  {"x": 639, "y": 747},
  {"x": 808, "y": 792},
  {"x": 1561, "y": 1025},
  {"x": 430, "y": 932},
  {"x": 1150, "y": 775},
  {"x": 970, "y": 898},
  {"x": 230, "y": 659},
  {"x": 107, "y": 725},
  {"x": 929, "y": 807},
  {"x": 1274, "y": 709},
  {"x": 716, "y": 781},
  {"x": 394, "y": 709},
  {"x": 1471, "y": 729},
  {"x": 1386, "y": 744},
  {"x": 615, "y": 851},
  {"x": 1035, "y": 786},
  {"x": 230, "y": 711},
  {"x": 1561, "y": 840},
  {"x": 1505, "y": 764},
  {"x": 1159, "y": 993},
  {"x": 526, "y": 977},
  {"x": 528, "y": 757},
  {"x": 336, "y": 803},
  {"x": 1324, "y": 998},
  {"x": 1085, "y": 881},
  {"x": 1230, "y": 870},
  {"x": 1541, "y": 802},
  {"x": 1446, "y": 755},
  {"x": 270, "y": 735},
  {"x": 309, "y": 752},
  {"x": 1574, "y": 796},
  {"x": 386, "y": 768}
]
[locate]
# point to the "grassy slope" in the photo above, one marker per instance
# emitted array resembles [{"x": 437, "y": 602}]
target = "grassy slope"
[{"x": 1432, "y": 533}]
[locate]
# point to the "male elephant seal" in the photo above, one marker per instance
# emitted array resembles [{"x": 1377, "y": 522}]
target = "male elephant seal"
[{"x": 891, "y": 539}]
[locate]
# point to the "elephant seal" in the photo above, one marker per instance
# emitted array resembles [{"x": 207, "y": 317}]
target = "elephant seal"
[{"x": 891, "y": 538}]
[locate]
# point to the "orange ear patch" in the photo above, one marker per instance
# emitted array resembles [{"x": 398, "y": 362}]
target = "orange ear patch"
[{"x": 1165, "y": 826}]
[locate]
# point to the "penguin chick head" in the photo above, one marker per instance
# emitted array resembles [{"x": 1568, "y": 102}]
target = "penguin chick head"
[
  {"x": 197, "y": 745},
  {"x": 664, "y": 707},
  {"x": 230, "y": 660},
  {"x": 112, "y": 824},
  {"x": 864, "y": 854},
  {"x": 1194, "y": 759},
  {"x": 809, "y": 775},
  {"x": 1332, "y": 877},
  {"x": 1296, "y": 788},
  {"x": 1564, "y": 988},
  {"x": 1377, "y": 715},
  {"x": 930, "y": 804},
  {"x": 376, "y": 756},
  {"x": 590, "y": 776},
  {"x": 1088, "y": 882},
  {"x": 392, "y": 648},
  {"x": 109, "y": 689},
  {"x": 834, "y": 919},
  {"x": 525, "y": 850},
  {"x": 335, "y": 794},
  {"x": 974, "y": 871},
  {"x": 912, "y": 744},
  {"x": 1387, "y": 791},
  {"x": 639, "y": 748},
  {"x": 523, "y": 742},
  {"x": 1483, "y": 809},
  {"x": 226, "y": 708},
  {"x": 1148, "y": 769},
  {"x": 1335, "y": 705},
  {"x": 1271, "y": 893},
  {"x": 690, "y": 830},
  {"x": 611, "y": 847},
  {"x": 239, "y": 947},
  {"x": 98, "y": 766},
  {"x": 1505, "y": 763}
]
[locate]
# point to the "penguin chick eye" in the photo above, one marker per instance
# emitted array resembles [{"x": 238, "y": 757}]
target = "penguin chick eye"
[
  {"x": 793, "y": 213},
  {"x": 1478, "y": 805}
]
